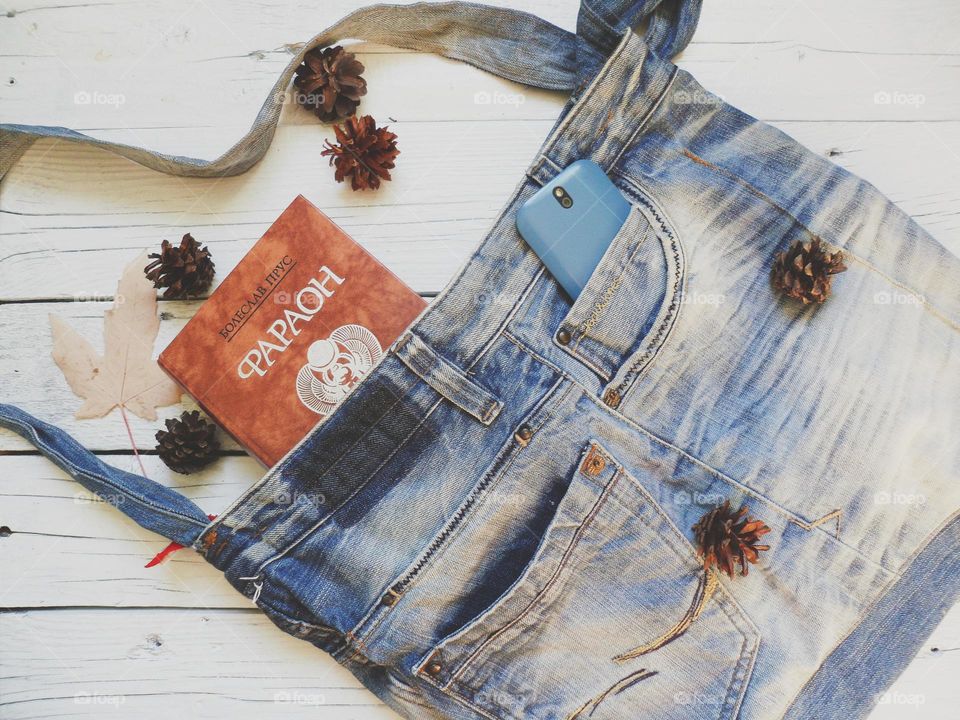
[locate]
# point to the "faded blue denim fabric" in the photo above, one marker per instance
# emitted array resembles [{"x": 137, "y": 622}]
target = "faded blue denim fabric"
[{"x": 497, "y": 525}]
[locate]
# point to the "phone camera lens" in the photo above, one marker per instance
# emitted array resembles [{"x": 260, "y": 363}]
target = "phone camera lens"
[
  {"x": 562, "y": 197},
  {"x": 566, "y": 201}
]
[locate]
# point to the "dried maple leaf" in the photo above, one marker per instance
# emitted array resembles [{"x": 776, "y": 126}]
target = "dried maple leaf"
[{"x": 126, "y": 375}]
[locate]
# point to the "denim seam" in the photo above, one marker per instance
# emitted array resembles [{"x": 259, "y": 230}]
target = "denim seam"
[
  {"x": 599, "y": 79},
  {"x": 936, "y": 312},
  {"x": 104, "y": 479},
  {"x": 542, "y": 593},
  {"x": 680, "y": 537},
  {"x": 270, "y": 608},
  {"x": 316, "y": 526},
  {"x": 275, "y": 470},
  {"x": 745, "y": 660},
  {"x": 932, "y": 309},
  {"x": 582, "y": 359},
  {"x": 792, "y": 517},
  {"x": 643, "y": 121},
  {"x": 486, "y": 405},
  {"x": 521, "y": 299},
  {"x": 661, "y": 335},
  {"x": 584, "y": 329},
  {"x": 539, "y": 358},
  {"x": 864, "y": 615},
  {"x": 362, "y": 635}
]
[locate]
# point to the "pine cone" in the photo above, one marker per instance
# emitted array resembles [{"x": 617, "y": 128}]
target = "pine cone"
[
  {"x": 725, "y": 538},
  {"x": 804, "y": 271},
  {"x": 184, "y": 271},
  {"x": 188, "y": 444},
  {"x": 329, "y": 83},
  {"x": 365, "y": 152}
]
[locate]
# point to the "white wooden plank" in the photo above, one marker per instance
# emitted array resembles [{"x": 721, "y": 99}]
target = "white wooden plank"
[
  {"x": 921, "y": 26},
  {"x": 73, "y": 217},
  {"x": 216, "y": 663},
  {"x": 271, "y": 24},
  {"x": 779, "y": 80},
  {"x": 85, "y": 552},
  {"x": 169, "y": 663}
]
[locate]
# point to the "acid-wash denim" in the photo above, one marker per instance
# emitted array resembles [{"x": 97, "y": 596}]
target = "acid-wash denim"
[{"x": 497, "y": 524}]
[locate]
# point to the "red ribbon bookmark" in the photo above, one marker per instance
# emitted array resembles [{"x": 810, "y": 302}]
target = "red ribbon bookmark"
[{"x": 168, "y": 551}]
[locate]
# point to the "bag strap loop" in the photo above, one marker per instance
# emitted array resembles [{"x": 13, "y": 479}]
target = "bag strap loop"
[{"x": 150, "y": 504}]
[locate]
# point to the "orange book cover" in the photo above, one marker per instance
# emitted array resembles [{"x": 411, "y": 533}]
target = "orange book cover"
[{"x": 304, "y": 316}]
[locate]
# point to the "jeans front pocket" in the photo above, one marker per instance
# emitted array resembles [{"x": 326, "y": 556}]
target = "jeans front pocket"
[
  {"x": 612, "y": 618},
  {"x": 628, "y": 301}
]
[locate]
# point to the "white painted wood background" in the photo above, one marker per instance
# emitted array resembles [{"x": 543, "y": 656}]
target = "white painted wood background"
[{"x": 86, "y": 630}]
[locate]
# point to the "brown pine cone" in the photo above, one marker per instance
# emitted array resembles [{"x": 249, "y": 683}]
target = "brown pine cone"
[
  {"x": 185, "y": 271},
  {"x": 725, "y": 537},
  {"x": 329, "y": 83},
  {"x": 803, "y": 272},
  {"x": 188, "y": 444},
  {"x": 365, "y": 153}
]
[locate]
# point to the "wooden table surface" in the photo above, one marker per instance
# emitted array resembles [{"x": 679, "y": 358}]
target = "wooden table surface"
[{"x": 85, "y": 628}]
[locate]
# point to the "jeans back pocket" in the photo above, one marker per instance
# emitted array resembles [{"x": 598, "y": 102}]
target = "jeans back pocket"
[{"x": 613, "y": 617}]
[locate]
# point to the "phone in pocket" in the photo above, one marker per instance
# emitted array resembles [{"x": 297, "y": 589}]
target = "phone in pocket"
[{"x": 571, "y": 221}]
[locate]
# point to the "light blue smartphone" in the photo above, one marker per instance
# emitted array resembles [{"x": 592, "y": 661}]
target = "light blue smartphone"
[{"x": 571, "y": 221}]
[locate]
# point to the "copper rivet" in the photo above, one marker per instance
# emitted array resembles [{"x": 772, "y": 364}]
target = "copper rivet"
[
  {"x": 524, "y": 433},
  {"x": 611, "y": 398},
  {"x": 563, "y": 337},
  {"x": 434, "y": 668},
  {"x": 594, "y": 463}
]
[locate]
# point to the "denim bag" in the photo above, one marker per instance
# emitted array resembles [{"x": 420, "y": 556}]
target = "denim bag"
[{"x": 497, "y": 523}]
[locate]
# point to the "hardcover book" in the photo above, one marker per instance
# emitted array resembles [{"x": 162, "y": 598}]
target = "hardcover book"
[{"x": 289, "y": 333}]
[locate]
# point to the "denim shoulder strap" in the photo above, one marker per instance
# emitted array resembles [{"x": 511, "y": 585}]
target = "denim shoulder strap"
[
  {"x": 150, "y": 504},
  {"x": 509, "y": 43},
  {"x": 513, "y": 44}
]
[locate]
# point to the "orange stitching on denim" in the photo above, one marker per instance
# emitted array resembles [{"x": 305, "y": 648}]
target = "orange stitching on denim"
[
  {"x": 618, "y": 687},
  {"x": 708, "y": 585},
  {"x": 548, "y": 585},
  {"x": 838, "y": 513}
]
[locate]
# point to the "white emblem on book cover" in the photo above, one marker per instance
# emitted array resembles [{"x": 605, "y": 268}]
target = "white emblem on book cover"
[{"x": 335, "y": 365}]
